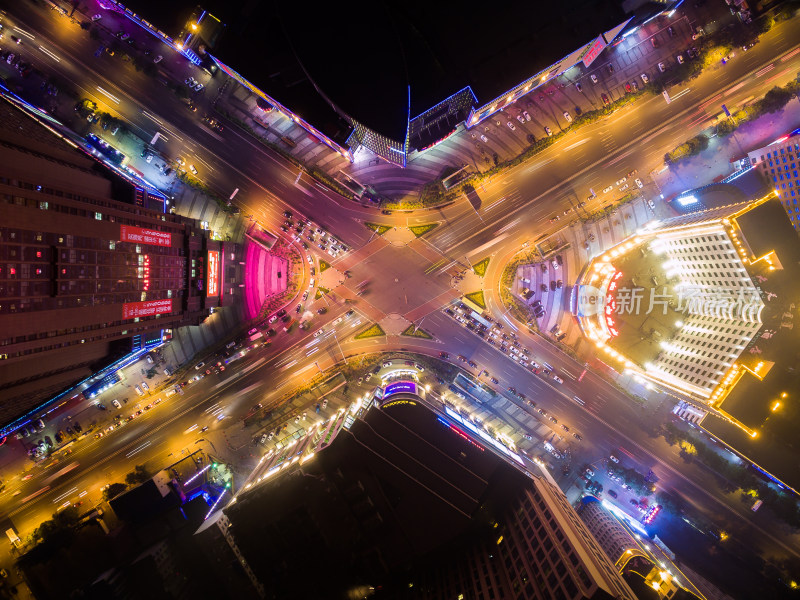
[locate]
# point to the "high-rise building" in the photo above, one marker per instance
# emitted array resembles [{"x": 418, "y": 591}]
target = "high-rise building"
[
  {"x": 678, "y": 303},
  {"x": 81, "y": 270},
  {"x": 406, "y": 501},
  {"x": 779, "y": 164}
]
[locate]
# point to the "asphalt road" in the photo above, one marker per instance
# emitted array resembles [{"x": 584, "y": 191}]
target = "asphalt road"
[{"x": 515, "y": 207}]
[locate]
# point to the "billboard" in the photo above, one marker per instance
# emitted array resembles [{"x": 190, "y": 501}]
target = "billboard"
[
  {"x": 400, "y": 386},
  {"x": 145, "y": 236},
  {"x": 212, "y": 287},
  {"x": 148, "y": 308},
  {"x": 593, "y": 51}
]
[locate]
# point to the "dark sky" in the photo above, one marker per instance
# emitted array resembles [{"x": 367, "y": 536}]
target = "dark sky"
[{"x": 364, "y": 55}]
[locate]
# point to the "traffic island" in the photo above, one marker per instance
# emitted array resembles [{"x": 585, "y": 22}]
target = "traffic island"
[
  {"x": 323, "y": 266},
  {"x": 420, "y": 230},
  {"x": 372, "y": 331},
  {"x": 477, "y": 298},
  {"x": 379, "y": 229},
  {"x": 414, "y": 331},
  {"x": 479, "y": 268}
]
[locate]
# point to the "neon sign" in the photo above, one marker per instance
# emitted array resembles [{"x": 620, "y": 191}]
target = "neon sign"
[
  {"x": 213, "y": 273},
  {"x": 149, "y": 308},
  {"x": 399, "y": 387},
  {"x": 145, "y": 236},
  {"x": 611, "y": 305}
]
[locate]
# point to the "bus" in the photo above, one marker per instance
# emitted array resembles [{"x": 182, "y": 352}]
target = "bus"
[
  {"x": 475, "y": 315},
  {"x": 757, "y": 505}
]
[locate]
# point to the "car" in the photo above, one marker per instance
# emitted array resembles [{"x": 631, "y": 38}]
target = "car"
[
  {"x": 97, "y": 17},
  {"x": 526, "y": 115},
  {"x": 605, "y": 99},
  {"x": 200, "y": 365},
  {"x": 148, "y": 157},
  {"x": 124, "y": 36},
  {"x": 198, "y": 87},
  {"x": 593, "y": 78},
  {"x": 639, "y": 183},
  {"x": 628, "y": 88},
  {"x": 305, "y": 296},
  {"x": 578, "y": 87},
  {"x": 158, "y": 59},
  {"x": 281, "y": 312},
  {"x": 319, "y": 332},
  {"x": 670, "y": 31},
  {"x": 520, "y": 118},
  {"x": 145, "y": 386},
  {"x": 589, "y": 472},
  {"x": 608, "y": 189},
  {"x": 635, "y": 86},
  {"x": 190, "y": 81},
  {"x": 610, "y": 68},
  {"x": 557, "y": 379},
  {"x": 553, "y": 285},
  {"x": 644, "y": 77},
  {"x": 193, "y": 169},
  {"x": 634, "y": 502},
  {"x": 472, "y": 364},
  {"x": 559, "y": 284},
  {"x": 612, "y": 493},
  {"x": 298, "y": 308},
  {"x": 651, "y": 204},
  {"x": 621, "y": 181},
  {"x": 543, "y": 287},
  {"x": 564, "y": 427},
  {"x": 654, "y": 42},
  {"x": 624, "y": 187},
  {"x": 567, "y": 117},
  {"x": 552, "y": 419},
  {"x": 511, "y": 126},
  {"x": 138, "y": 390},
  {"x": 613, "y": 459},
  {"x": 661, "y": 67},
  {"x": 680, "y": 59},
  {"x": 548, "y": 131},
  {"x": 388, "y": 363}
]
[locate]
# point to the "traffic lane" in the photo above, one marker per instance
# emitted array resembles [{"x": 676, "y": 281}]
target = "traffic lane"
[{"x": 656, "y": 111}]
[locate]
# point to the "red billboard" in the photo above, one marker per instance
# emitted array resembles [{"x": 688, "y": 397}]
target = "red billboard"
[
  {"x": 212, "y": 286},
  {"x": 593, "y": 51},
  {"x": 145, "y": 236},
  {"x": 148, "y": 308}
]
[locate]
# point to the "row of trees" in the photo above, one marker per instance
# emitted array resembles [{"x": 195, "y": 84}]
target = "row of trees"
[{"x": 736, "y": 476}]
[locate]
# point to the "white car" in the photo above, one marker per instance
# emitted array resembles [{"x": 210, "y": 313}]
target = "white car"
[
  {"x": 138, "y": 390},
  {"x": 661, "y": 67},
  {"x": 680, "y": 59},
  {"x": 614, "y": 458},
  {"x": 199, "y": 366},
  {"x": 548, "y": 131},
  {"x": 594, "y": 78},
  {"x": 567, "y": 117},
  {"x": 521, "y": 119},
  {"x": 639, "y": 183},
  {"x": 651, "y": 204},
  {"x": 319, "y": 332},
  {"x": 198, "y": 87},
  {"x": 526, "y": 115},
  {"x": 97, "y": 17},
  {"x": 621, "y": 181},
  {"x": 145, "y": 386},
  {"x": 608, "y": 189},
  {"x": 158, "y": 59},
  {"x": 644, "y": 77},
  {"x": 310, "y": 259},
  {"x": 624, "y": 187},
  {"x": 116, "y": 404},
  {"x": 193, "y": 169},
  {"x": 484, "y": 139},
  {"x": 557, "y": 379},
  {"x": 511, "y": 126}
]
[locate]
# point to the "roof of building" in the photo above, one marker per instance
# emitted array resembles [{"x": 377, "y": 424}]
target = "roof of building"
[
  {"x": 400, "y": 484},
  {"x": 366, "y": 56},
  {"x": 767, "y": 228}
]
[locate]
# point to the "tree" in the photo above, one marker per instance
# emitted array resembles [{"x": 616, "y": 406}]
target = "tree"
[
  {"x": 114, "y": 490},
  {"x": 775, "y": 99},
  {"x": 138, "y": 475}
]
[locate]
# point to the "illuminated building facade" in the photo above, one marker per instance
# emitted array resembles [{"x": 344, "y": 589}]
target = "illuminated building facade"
[
  {"x": 80, "y": 271},
  {"x": 419, "y": 505},
  {"x": 677, "y": 303},
  {"x": 779, "y": 164}
]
